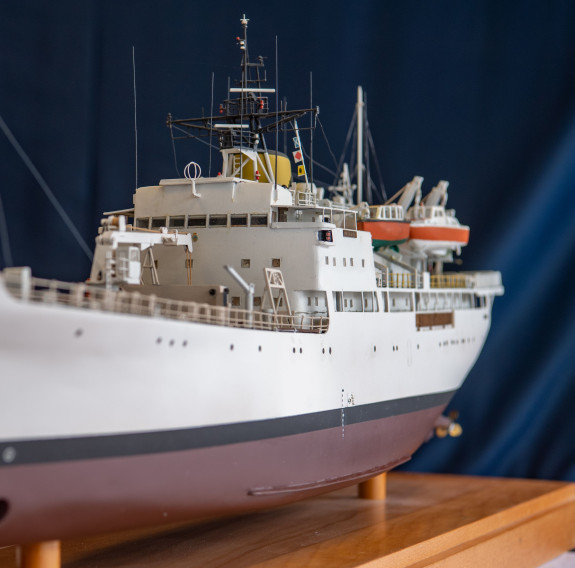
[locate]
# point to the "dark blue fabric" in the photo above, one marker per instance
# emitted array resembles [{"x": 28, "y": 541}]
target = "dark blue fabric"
[{"x": 479, "y": 93}]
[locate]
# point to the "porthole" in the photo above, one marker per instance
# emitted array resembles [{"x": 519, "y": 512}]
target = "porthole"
[
  {"x": 232, "y": 347},
  {"x": 159, "y": 340},
  {"x": 259, "y": 348},
  {"x": 79, "y": 332}
]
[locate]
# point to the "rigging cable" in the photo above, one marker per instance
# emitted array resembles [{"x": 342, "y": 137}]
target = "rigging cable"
[
  {"x": 368, "y": 195},
  {"x": 174, "y": 148},
  {"x": 327, "y": 142},
  {"x": 311, "y": 128},
  {"x": 372, "y": 146},
  {"x": 320, "y": 165},
  {"x": 189, "y": 135},
  {"x": 45, "y": 188},
  {"x": 6, "y": 252},
  {"x": 135, "y": 113},
  {"x": 211, "y": 126},
  {"x": 277, "y": 117},
  {"x": 347, "y": 139}
]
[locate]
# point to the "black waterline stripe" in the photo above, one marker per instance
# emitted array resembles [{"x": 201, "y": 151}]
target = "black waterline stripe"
[{"x": 116, "y": 445}]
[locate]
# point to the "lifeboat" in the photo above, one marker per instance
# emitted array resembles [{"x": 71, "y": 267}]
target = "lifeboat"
[
  {"x": 387, "y": 225},
  {"x": 436, "y": 231}
]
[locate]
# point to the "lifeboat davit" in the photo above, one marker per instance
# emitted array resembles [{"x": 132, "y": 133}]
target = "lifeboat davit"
[{"x": 387, "y": 225}]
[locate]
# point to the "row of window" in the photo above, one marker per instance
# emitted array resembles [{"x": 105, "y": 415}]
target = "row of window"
[
  {"x": 357, "y": 302},
  {"x": 200, "y": 221},
  {"x": 244, "y": 263},
  {"x": 345, "y": 261},
  {"x": 404, "y": 301},
  {"x": 276, "y": 262}
]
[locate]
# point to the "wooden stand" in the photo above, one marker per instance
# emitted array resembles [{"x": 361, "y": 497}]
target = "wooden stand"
[
  {"x": 374, "y": 488},
  {"x": 426, "y": 520},
  {"x": 39, "y": 555}
]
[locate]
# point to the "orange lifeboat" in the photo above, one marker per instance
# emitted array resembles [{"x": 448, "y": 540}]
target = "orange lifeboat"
[
  {"x": 435, "y": 230},
  {"x": 387, "y": 225}
]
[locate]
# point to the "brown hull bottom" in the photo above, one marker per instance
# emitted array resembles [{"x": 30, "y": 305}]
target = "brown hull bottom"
[{"x": 71, "y": 498}]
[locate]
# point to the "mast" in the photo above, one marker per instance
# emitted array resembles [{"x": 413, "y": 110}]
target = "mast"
[
  {"x": 245, "y": 117},
  {"x": 245, "y": 59},
  {"x": 359, "y": 106}
]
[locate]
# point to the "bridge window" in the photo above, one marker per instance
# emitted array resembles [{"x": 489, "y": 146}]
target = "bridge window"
[
  {"x": 158, "y": 222},
  {"x": 196, "y": 220},
  {"x": 143, "y": 222},
  {"x": 239, "y": 220},
  {"x": 177, "y": 222},
  {"x": 258, "y": 220},
  {"x": 218, "y": 220}
]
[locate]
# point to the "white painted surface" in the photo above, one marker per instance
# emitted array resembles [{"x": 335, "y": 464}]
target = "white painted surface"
[{"x": 566, "y": 560}]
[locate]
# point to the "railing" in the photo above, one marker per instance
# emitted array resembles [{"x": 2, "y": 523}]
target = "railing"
[
  {"x": 304, "y": 198},
  {"x": 54, "y": 292},
  {"x": 451, "y": 281},
  {"x": 401, "y": 280},
  {"x": 386, "y": 212},
  {"x": 484, "y": 279}
]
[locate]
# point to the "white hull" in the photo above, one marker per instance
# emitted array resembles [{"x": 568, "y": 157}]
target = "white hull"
[{"x": 114, "y": 376}]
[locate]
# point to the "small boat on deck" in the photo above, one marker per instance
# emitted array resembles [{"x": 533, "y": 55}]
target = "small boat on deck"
[
  {"x": 387, "y": 225},
  {"x": 434, "y": 229}
]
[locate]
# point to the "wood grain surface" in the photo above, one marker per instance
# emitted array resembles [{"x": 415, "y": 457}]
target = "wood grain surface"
[{"x": 426, "y": 520}]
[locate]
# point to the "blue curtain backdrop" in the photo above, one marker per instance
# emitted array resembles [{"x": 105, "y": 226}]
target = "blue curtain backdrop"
[{"x": 479, "y": 93}]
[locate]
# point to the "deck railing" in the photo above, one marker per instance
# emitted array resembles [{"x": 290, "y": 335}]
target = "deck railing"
[
  {"x": 484, "y": 279},
  {"x": 451, "y": 281},
  {"x": 401, "y": 280},
  {"x": 54, "y": 292}
]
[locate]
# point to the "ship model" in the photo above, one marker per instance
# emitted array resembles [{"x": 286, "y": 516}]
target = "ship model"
[{"x": 242, "y": 341}]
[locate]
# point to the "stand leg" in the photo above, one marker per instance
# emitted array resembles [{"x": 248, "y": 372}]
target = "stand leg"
[
  {"x": 374, "y": 488},
  {"x": 39, "y": 555}
]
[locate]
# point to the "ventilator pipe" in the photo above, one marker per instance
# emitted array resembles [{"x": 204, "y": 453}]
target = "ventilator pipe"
[{"x": 247, "y": 288}]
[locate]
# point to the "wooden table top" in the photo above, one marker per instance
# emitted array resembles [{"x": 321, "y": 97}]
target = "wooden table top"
[{"x": 426, "y": 520}]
